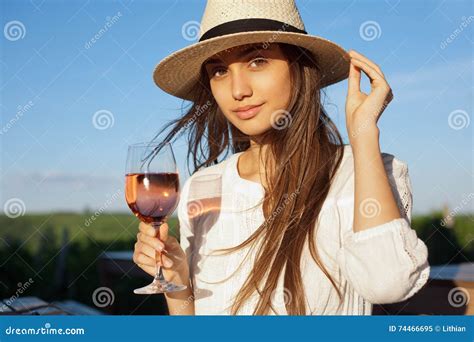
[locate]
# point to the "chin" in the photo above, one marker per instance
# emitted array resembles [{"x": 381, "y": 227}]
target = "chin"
[{"x": 253, "y": 129}]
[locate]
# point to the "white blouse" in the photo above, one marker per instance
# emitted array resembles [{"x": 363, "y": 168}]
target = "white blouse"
[{"x": 383, "y": 264}]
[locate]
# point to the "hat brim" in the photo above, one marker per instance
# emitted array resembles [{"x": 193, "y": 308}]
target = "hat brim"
[{"x": 178, "y": 73}]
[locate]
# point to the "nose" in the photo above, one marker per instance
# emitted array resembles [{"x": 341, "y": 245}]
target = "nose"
[{"x": 241, "y": 87}]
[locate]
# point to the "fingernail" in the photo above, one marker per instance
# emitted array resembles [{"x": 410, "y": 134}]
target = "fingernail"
[
  {"x": 161, "y": 249},
  {"x": 168, "y": 263}
]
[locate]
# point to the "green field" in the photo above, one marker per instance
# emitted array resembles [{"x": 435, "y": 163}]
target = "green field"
[{"x": 110, "y": 228}]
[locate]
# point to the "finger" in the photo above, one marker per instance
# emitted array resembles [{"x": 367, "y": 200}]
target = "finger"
[
  {"x": 140, "y": 258},
  {"x": 367, "y": 61},
  {"x": 166, "y": 261},
  {"x": 163, "y": 236},
  {"x": 354, "y": 80},
  {"x": 153, "y": 242},
  {"x": 146, "y": 229},
  {"x": 389, "y": 97},
  {"x": 145, "y": 249},
  {"x": 369, "y": 71}
]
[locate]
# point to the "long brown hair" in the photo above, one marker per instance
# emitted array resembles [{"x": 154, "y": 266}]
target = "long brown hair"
[{"x": 305, "y": 150}]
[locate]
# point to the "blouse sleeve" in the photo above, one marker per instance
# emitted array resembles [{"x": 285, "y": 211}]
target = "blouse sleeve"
[{"x": 387, "y": 263}]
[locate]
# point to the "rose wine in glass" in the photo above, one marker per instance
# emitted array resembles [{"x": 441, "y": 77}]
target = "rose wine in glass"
[{"x": 152, "y": 193}]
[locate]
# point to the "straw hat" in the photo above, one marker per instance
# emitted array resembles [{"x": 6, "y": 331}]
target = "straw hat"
[{"x": 230, "y": 23}]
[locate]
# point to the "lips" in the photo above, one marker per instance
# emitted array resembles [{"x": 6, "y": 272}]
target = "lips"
[{"x": 248, "y": 113}]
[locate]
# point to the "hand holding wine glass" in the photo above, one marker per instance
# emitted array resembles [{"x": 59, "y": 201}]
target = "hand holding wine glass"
[
  {"x": 147, "y": 253},
  {"x": 152, "y": 193}
]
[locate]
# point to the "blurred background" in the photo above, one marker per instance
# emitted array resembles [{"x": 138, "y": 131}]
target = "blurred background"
[{"x": 76, "y": 89}]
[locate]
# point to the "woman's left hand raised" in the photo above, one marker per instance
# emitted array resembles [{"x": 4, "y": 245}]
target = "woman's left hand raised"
[{"x": 362, "y": 110}]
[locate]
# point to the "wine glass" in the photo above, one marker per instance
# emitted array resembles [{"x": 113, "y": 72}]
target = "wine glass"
[{"x": 152, "y": 193}]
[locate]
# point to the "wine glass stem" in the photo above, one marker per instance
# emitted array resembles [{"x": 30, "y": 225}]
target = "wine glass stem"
[{"x": 159, "y": 272}]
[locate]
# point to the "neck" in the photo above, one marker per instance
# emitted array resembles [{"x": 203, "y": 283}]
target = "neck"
[{"x": 251, "y": 163}]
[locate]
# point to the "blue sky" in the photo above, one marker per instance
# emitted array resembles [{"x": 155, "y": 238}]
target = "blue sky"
[{"x": 53, "y": 157}]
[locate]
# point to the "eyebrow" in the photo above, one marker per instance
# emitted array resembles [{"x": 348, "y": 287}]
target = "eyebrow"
[{"x": 241, "y": 54}]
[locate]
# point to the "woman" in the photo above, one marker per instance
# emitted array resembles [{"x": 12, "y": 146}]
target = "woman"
[{"x": 294, "y": 222}]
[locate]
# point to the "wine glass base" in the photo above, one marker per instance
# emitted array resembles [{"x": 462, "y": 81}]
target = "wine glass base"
[{"x": 159, "y": 287}]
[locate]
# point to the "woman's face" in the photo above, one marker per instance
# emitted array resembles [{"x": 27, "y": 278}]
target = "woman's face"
[{"x": 250, "y": 76}]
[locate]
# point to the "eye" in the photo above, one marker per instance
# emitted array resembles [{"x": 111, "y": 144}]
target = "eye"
[
  {"x": 259, "y": 61},
  {"x": 215, "y": 70}
]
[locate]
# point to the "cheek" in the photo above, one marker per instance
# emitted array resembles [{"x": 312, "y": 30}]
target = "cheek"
[
  {"x": 275, "y": 88},
  {"x": 219, "y": 94},
  {"x": 277, "y": 95}
]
